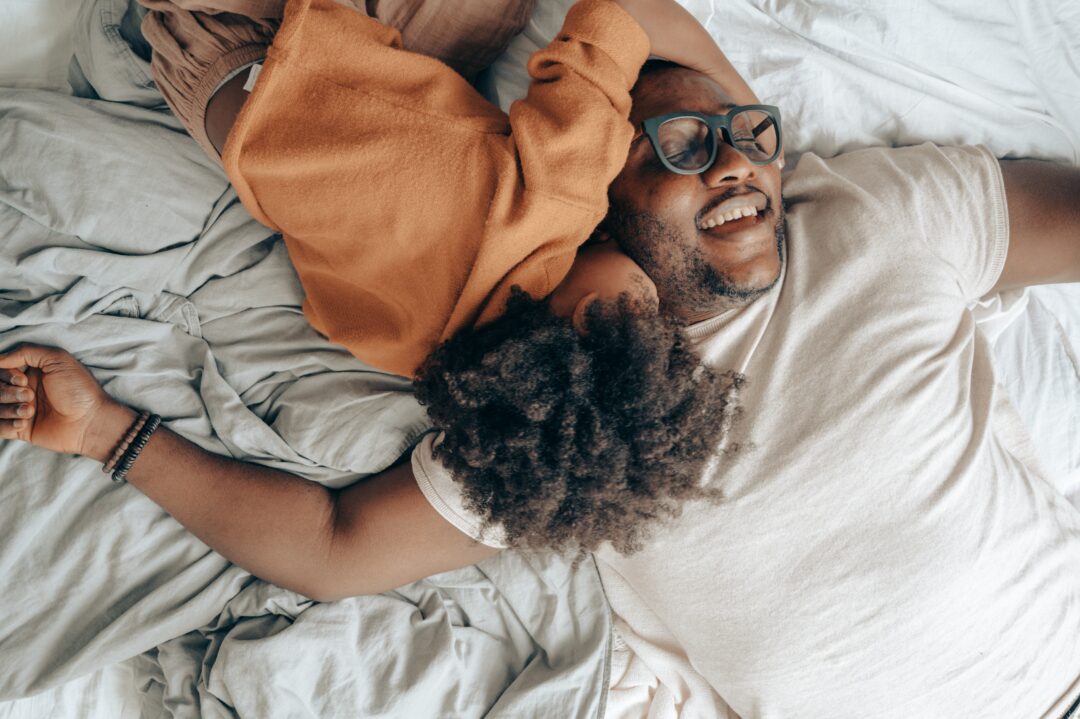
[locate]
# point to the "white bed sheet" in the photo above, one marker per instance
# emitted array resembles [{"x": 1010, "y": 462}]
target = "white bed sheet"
[
  {"x": 847, "y": 76},
  {"x": 106, "y": 694}
]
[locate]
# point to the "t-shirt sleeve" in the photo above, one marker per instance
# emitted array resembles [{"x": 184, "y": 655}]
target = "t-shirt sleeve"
[
  {"x": 444, "y": 493},
  {"x": 953, "y": 198},
  {"x": 975, "y": 239}
]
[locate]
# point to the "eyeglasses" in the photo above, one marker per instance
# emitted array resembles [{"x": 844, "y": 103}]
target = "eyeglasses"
[{"x": 686, "y": 143}]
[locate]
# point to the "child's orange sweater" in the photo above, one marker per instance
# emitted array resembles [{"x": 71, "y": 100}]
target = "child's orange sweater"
[{"x": 410, "y": 205}]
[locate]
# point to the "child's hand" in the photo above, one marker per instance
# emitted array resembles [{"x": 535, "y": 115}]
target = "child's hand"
[{"x": 49, "y": 399}]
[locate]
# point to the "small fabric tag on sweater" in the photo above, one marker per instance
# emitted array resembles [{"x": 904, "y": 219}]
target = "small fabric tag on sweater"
[{"x": 252, "y": 77}]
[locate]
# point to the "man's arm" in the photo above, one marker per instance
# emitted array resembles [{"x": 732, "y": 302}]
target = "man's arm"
[
  {"x": 327, "y": 544},
  {"x": 1044, "y": 224},
  {"x": 676, "y": 35}
]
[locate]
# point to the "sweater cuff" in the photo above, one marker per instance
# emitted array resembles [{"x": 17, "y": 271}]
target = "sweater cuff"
[{"x": 605, "y": 25}]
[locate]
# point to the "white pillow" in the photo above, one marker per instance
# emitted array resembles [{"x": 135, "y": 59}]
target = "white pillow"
[{"x": 848, "y": 75}]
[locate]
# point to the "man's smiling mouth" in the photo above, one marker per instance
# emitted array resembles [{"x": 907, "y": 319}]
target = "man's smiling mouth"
[{"x": 732, "y": 209}]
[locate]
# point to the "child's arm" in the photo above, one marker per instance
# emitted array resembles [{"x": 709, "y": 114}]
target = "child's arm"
[{"x": 372, "y": 536}]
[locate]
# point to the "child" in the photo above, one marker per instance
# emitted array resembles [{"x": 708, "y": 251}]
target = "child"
[
  {"x": 412, "y": 207},
  {"x": 436, "y": 237}
]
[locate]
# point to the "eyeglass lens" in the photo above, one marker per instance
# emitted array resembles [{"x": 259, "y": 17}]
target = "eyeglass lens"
[{"x": 687, "y": 143}]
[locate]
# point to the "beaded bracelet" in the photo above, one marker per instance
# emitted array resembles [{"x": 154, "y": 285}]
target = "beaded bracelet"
[
  {"x": 125, "y": 442},
  {"x": 137, "y": 445}
]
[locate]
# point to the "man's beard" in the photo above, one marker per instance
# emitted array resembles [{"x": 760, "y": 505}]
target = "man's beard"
[{"x": 685, "y": 281}]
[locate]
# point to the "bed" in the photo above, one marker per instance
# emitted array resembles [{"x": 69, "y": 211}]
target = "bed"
[{"x": 120, "y": 241}]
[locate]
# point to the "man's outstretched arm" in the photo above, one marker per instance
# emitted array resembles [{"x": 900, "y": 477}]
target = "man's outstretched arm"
[
  {"x": 372, "y": 536},
  {"x": 1044, "y": 224}
]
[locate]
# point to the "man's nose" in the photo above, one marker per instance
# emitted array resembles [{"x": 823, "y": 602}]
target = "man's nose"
[{"x": 730, "y": 167}]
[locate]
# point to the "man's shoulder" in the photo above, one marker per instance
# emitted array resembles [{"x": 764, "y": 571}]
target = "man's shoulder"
[
  {"x": 921, "y": 216},
  {"x": 920, "y": 190},
  {"x": 877, "y": 169}
]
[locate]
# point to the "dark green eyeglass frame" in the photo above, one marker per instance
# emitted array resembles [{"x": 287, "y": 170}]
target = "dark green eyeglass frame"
[{"x": 651, "y": 127}]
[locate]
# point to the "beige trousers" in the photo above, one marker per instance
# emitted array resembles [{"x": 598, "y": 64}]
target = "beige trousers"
[{"x": 199, "y": 44}]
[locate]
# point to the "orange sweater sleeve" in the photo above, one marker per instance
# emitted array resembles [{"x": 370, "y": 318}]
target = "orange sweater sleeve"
[
  {"x": 408, "y": 203},
  {"x": 570, "y": 137},
  {"x": 571, "y": 132}
]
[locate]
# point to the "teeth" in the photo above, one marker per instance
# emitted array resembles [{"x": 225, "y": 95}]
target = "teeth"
[{"x": 735, "y": 214}]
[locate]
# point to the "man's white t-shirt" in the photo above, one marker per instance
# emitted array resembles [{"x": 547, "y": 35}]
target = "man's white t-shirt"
[{"x": 888, "y": 545}]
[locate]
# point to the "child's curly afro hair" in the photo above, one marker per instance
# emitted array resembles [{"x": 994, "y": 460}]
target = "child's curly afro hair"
[{"x": 570, "y": 440}]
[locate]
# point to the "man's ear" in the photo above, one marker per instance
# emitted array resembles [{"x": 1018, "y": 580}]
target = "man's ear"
[{"x": 580, "y": 309}]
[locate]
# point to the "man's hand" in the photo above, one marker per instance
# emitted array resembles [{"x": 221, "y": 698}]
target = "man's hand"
[
  {"x": 370, "y": 537},
  {"x": 676, "y": 35},
  {"x": 49, "y": 399}
]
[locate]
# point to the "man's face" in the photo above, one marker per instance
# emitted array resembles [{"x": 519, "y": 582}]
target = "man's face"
[{"x": 662, "y": 219}]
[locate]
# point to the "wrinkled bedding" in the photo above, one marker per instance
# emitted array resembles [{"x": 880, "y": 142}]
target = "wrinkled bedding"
[{"x": 119, "y": 241}]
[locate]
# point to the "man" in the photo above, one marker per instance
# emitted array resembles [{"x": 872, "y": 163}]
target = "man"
[{"x": 886, "y": 546}]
